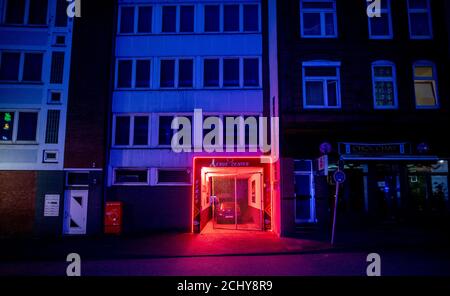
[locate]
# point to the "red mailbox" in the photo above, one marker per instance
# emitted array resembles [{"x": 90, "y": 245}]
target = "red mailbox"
[{"x": 113, "y": 217}]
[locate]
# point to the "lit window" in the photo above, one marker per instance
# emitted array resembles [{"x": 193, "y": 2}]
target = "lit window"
[
  {"x": 384, "y": 85},
  {"x": 26, "y": 12},
  {"x": 321, "y": 85},
  {"x": 425, "y": 85},
  {"x": 130, "y": 176},
  {"x": 6, "y": 126},
  {"x": 211, "y": 72},
  {"x": 18, "y": 126},
  {"x": 381, "y": 27},
  {"x": 212, "y": 18},
  {"x": 419, "y": 13},
  {"x": 318, "y": 19}
]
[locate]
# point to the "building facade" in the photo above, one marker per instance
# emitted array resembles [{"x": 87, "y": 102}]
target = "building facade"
[
  {"x": 367, "y": 95},
  {"x": 35, "y": 53},
  {"x": 204, "y": 61}
]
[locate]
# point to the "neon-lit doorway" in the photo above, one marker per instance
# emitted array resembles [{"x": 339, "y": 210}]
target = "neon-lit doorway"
[{"x": 231, "y": 194}]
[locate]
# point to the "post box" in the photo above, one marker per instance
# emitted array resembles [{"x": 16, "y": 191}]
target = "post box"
[{"x": 113, "y": 217}]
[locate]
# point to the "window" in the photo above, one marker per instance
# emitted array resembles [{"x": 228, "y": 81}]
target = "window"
[
  {"x": 173, "y": 176},
  {"x": 143, "y": 73},
  {"x": 57, "y": 68},
  {"x": 381, "y": 27},
  {"x": 211, "y": 72},
  {"x": 318, "y": 19},
  {"x": 26, "y": 12},
  {"x": 167, "y": 73},
  {"x": 186, "y": 19},
  {"x": 11, "y": 62},
  {"x": 131, "y": 130},
  {"x": 145, "y": 19},
  {"x": 185, "y": 73},
  {"x": 419, "y": 13},
  {"x": 425, "y": 85},
  {"x": 231, "y": 72},
  {"x": 251, "y": 72},
  {"x": 61, "y": 14},
  {"x": 130, "y": 177},
  {"x": 231, "y": 18},
  {"x": 169, "y": 19},
  {"x": 126, "y": 20},
  {"x": 18, "y": 126},
  {"x": 321, "y": 85},
  {"x": 165, "y": 131},
  {"x": 212, "y": 18},
  {"x": 77, "y": 179},
  {"x": 122, "y": 134},
  {"x": 124, "y": 70},
  {"x": 251, "y": 18},
  {"x": 384, "y": 85}
]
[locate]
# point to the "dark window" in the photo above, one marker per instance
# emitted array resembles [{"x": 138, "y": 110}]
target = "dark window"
[
  {"x": 187, "y": 19},
  {"x": 165, "y": 131},
  {"x": 231, "y": 18},
  {"x": 174, "y": 176},
  {"x": 131, "y": 176},
  {"x": 124, "y": 73},
  {"x": 251, "y": 18},
  {"x": 15, "y": 12},
  {"x": 61, "y": 13},
  {"x": 38, "y": 12},
  {"x": 231, "y": 72},
  {"x": 122, "y": 130},
  {"x": 32, "y": 69},
  {"x": 145, "y": 19},
  {"x": 143, "y": 73},
  {"x": 251, "y": 72},
  {"x": 27, "y": 126},
  {"x": 80, "y": 179},
  {"x": 167, "y": 77},
  {"x": 9, "y": 66},
  {"x": 169, "y": 19},
  {"x": 6, "y": 126},
  {"x": 52, "y": 129},
  {"x": 185, "y": 73},
  {"x": 140, "y": 130},
  {"x": 127, "y": 20},
  {"x": 212, "y": 18},
  {"x": 57, "y": 70},
  {"x": 211, "y": 73}
]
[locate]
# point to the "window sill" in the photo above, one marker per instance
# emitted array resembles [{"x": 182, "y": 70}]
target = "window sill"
[{"x": 12, "y": 82}]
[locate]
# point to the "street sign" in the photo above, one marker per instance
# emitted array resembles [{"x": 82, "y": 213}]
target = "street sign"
[
  {"x": 339, "y": 176},
  {"x": 322, "y": 165}
]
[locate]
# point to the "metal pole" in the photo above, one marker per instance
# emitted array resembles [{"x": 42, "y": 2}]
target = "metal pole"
[{"x": 335, "y": 213}]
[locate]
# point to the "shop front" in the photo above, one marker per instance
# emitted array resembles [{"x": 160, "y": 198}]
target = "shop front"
[{"x": 232, "y": 193}]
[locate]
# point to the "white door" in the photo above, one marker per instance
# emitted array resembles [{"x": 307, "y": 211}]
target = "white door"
[{"x": 75, "y": 211}]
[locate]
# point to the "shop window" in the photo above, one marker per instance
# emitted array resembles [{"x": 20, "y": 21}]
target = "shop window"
[
  {"x": 231, "y": 18},
  {"x": 211, "y": 72},
  {"x": 26, "y": 12},
  {"x": 212, "y": 18},
  {"x": 130, "y": 177},
  {"x": 251, "y": 18},
  {"x": 321, "y": 85},
  {"x": 420, "y": 23},
  {"x": 425, "y": 85},
  {"x": 318, "y": 19},
  {"x": 173, "y": 176},
  {"x": 381, "y": 27},
  {"x": 384, "y": 85},
  {"x": 251, "y": 72},
  {"x": 231, "y": 72}
]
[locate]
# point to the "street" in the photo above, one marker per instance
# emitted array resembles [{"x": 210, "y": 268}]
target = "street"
[{"x": 393, "y": 263}]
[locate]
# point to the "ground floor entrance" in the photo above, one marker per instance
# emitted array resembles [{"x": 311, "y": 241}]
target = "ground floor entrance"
[{"x": 231, "y": 194}]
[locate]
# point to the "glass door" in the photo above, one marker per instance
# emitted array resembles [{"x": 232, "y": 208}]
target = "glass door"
[{"x": 224, "y": 202}]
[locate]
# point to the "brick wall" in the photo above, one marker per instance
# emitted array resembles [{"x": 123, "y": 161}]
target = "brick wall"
[{"x": 17, "y": 202}]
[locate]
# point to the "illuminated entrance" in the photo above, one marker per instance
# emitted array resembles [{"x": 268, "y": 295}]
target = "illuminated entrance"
[{"x": 231, "y": 193}]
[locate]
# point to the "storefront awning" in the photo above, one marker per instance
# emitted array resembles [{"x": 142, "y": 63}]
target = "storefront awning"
[{"x": 414, "y": 158}]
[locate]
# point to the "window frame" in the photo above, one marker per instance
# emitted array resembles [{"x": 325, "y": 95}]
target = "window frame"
[
  {"x": 114, "y": 183},
  {"x": 322, "y": 13},
  {"x": 177, "y": 114},
  {"x": 158, "y": 183},
  {"x": 431, "y": 64},
  {"x": 430, "y": 20},
  {"x": 135, "y": 19},
  {"x": 176, "y": 73},
  {"x": 322, "y": 79},
  {"x": 21, "y": 69},
  {"x": 132, "y": 117},
  {"x": 393, "y": 79},
  {"x": 133, "y": 73},
  {"x": 222, "y": 18},
  {"x": 15, "y": 131},
  {"x": 26, "y": 16},
  {"x": 387, "y": 10},
  {"x": 178, "y": 18}
]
